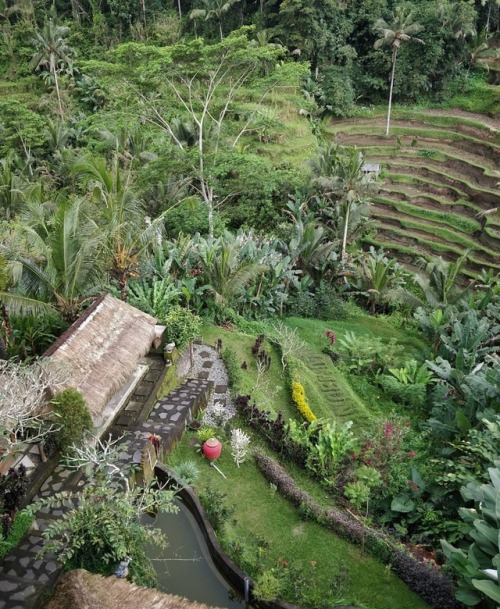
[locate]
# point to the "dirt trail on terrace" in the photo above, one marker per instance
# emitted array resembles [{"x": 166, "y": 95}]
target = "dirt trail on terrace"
[
  {"x": 493, "y": 122},
  {"x": 441, "y": 145}
]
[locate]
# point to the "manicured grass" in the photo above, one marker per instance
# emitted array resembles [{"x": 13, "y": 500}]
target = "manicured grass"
[
  {"x": 261, "y": 514},
  {"x": 271, "y": 393},
  {"x": 22, "y": 523}
]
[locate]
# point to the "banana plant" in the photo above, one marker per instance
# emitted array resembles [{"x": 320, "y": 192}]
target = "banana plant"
[{"x": 478, "y": 567}]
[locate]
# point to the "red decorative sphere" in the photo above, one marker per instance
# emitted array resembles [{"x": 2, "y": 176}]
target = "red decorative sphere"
[{"x": 212, "y": 449}]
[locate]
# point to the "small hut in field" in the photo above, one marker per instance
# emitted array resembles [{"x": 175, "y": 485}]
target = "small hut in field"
[
  {"x": 101, "y": 351},
  {"x": 80, "y": 589}
]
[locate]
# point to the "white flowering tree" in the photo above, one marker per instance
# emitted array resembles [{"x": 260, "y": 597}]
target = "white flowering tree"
[{"x": 23, "y": 392}]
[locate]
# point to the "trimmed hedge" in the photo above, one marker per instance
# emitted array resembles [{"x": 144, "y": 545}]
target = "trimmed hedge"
[{"x": 427, "y": 582}]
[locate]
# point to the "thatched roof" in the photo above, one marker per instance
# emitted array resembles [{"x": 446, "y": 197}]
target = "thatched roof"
[
  {"x": 80, "y": 589},
  {"x": 101, "y": 350}
]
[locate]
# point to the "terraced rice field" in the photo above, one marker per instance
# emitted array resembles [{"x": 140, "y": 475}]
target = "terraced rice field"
[{"x": 440, "y": 174}]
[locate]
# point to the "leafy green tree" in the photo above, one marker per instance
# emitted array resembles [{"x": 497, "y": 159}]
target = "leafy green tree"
[
  {"x": 309, "y": 247},
  {"x": 402, "y": 29},
  {"x": 225, "y": 271},
  {"x": 104, "y": 523},
  {"x": 11, "y": 186},
  {"x": 51, "y": 53},
  {"x": 438, "y": 283}
]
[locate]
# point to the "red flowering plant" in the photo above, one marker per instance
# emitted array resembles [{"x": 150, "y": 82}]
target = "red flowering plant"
[
  {"x": 329, "y": 350},
  {"x": 388, "y": 450}
]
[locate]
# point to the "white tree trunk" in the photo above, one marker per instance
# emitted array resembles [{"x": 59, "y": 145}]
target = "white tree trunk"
[{"x": 394, "y": 55}]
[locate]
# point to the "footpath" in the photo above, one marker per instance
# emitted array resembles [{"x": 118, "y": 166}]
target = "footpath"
[{"x": 26, "y": 579}]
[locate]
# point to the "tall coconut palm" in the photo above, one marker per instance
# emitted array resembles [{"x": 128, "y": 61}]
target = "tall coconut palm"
[
  {"x": 58, "y": 267},
  {"x": 125, "y": 231},
  {"x": 402, "y": 29},
  {"x": 339, "y": 175},
  {"x": 213, "y": 8},
  {"x": 51, "y": 53}
]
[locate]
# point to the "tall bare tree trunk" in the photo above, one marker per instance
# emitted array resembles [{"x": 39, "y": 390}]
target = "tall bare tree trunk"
[{"x": 394, "y": 55}]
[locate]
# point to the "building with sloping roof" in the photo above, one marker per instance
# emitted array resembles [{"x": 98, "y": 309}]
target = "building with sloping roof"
[{"x": 101, "y": 353}]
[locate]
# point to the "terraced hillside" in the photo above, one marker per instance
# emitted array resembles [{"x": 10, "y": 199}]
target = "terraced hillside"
[{"x": 440, "y": 173}]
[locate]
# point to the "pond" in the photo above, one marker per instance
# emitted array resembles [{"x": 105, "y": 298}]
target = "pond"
[{"x": 185, "y": 567}]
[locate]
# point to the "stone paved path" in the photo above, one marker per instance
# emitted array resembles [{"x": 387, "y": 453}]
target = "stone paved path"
[{"x": 24, "y": 576}]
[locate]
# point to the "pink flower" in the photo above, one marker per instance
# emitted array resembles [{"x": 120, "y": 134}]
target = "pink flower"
[
  {"x": 411, "y": 454},
  {"x": 313, "y": 563}
]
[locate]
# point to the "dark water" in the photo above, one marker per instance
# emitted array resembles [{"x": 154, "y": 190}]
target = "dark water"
[{"x": 184, "y": 567}]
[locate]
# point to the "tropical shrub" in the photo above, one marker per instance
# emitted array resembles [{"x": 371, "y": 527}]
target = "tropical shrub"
[
  {"x": 267, "y": 586},
  {"x": 300, "y": 401},
  {"x": 181, "y": 326},
  {"x": 73, "y": 418},
  {"x": 155, "y": 297},
  {"x": 13, "y": 486},
  {"x": 216, "y": 509},
  {"x": 186, "y": 472},
  {"x": 233, "y": 369},
  {"x": 478, "y": 567}
]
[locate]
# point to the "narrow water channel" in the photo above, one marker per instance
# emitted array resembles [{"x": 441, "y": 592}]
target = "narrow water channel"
[{"x": 185, "y": 567}]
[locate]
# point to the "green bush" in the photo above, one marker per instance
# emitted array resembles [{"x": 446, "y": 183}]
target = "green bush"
[
  {"x": 267, "y": 586},
  {"x": 73, "y": 417},
  {"x": 412, "y": 395},
  {"x": 233, "y": 369},
  {"x": 181, "y": 326},
  {"x": 218, "y": 513},
  {"x": 325, "y": 303}
]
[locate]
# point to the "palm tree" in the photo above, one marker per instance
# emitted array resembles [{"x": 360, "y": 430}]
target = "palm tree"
[
  {"x": 225, "y": 271},
  {"x": 59, "y": 269},
  {"x": 11, "y": 185},
  {"x": 125, "y": 231},
  {"x": 402, "y": 29},
  {"x": 51, "y": 52},
  {"x": 438, "y": 282},
  {"x": 214, "y": 8},
  {"x": 376, "y": 275},
  {"x": 309, "y": 246},
  {"x": 339, "y": 174}
]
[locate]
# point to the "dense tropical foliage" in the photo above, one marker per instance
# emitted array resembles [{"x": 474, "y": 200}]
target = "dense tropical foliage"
[{"x": 178, "y": 156}]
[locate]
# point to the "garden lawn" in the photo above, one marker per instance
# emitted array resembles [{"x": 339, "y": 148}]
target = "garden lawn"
[
  {"x": 22, "y": 523},
  {"x": 271, "y": 393},
  {"x": 261, "y": 514}
]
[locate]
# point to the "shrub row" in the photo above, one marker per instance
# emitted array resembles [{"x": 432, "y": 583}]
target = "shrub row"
[
  {"x": 274, "y": 431},
  {"x": 428, "y": 583},
  {"x": 300, "y": 401}
]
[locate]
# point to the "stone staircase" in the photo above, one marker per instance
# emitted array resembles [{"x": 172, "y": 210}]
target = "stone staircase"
[{"x": 24, "y": 577}]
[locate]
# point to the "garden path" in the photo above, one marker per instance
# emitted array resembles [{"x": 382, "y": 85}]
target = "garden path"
[{"x": 25, "y": 579}]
